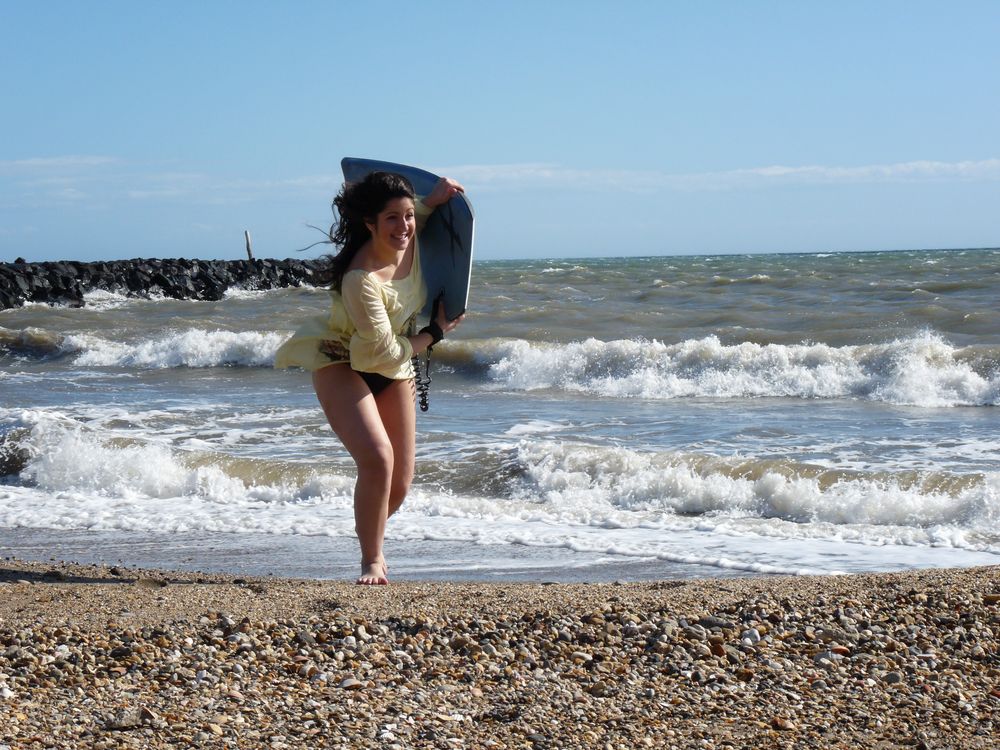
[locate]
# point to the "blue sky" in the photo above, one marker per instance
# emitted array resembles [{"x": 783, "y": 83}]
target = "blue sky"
[{"x": 579, "y": 128}]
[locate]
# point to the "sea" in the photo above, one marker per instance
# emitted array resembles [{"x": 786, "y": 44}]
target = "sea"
[{"x": 592, "y": 420}]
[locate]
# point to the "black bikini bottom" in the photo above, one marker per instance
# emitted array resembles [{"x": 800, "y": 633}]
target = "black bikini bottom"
[{"x": 376, "y": 383}]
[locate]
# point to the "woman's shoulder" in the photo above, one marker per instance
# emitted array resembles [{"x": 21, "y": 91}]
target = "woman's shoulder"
[
  {"x": 359, "y": 277},
  {"x": 361, "y": 282}
]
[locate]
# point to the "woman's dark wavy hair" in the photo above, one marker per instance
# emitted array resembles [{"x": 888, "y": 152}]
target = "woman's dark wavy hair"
[{"x": 356, "y": 205}]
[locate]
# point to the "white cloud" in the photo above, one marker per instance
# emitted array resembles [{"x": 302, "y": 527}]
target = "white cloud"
[
  {"x": 211, "y": 189},
  {"x": 105, "y": 180},
  {"x": 553, "y": 175},
  {"x": 58, "y": 162},
  {"x": 987, "y": 169},
  {"x": 79, "y": 180},
  {"x": 58, "y": 179}
]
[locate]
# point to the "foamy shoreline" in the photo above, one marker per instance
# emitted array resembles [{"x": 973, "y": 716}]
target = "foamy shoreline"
[{"x": 101, "y": 656}]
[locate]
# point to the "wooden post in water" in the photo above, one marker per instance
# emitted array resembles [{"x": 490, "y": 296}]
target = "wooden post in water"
[{"x": 246, "y": 236}]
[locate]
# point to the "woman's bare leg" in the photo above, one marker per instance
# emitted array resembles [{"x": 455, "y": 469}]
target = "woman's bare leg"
[
  {"x": 355, "y": 418},
  {"x": 396, "y": 405}
]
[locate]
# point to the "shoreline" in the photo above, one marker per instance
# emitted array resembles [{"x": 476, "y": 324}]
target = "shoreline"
[
  {"x": 323, "y": 557},
  {"x": 336, "y": 558},
  {"x": 109, "y": 656}
]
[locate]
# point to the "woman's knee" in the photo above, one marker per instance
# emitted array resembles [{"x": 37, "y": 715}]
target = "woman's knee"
[
  {"x": 376, "y": 459},
  {"x": 397, "y": 493},
  {"x": 401, "y": 481}
]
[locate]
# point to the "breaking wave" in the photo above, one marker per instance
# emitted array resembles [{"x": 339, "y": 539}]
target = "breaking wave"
[
  {"x": 921, "y": 371},
  {"x": 62, "y": 474}
]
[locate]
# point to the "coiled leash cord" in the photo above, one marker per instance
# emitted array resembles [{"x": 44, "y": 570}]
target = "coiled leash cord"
[
  {"x": 422, "y": 376},
  {"x": 423, "y": 379}
]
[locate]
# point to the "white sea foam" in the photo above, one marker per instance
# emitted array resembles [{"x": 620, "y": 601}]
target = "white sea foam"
[
  {"x": 575, "y": 496},
  {"x": 923, "y": 370},
  {"x": 536, "y": 426},
  {"x": 102, "y": 299},
  {"x": 238, "y": 292},
  {"x": 188, "y": 348},
  {"x": 75, "y": 478},
  {"x": 563, "y": 483},
  {"x": 621, "y": 487}
]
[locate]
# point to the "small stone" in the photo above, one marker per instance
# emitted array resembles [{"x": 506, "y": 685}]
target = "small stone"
[
  {"x": 350, "y": 683},
  {"x": 751, "y": 636},
  {"x": 834, "y": 635},
  {"x": 599, "y": 689},
  {"x": 783, "y": 724},
  {"x": 700, "y": 651},
  {"x": 129, "y": 718},
  {"x": 716, "y": 622}
]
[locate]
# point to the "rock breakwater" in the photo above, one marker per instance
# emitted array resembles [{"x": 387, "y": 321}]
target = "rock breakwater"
[{"x": 65, "y": 282}]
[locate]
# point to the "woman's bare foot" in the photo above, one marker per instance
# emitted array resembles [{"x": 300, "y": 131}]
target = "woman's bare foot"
[{"x": 374, "y": 573}]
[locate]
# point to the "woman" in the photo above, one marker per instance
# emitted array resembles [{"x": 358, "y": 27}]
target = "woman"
[{"x": 360, "y": 355}]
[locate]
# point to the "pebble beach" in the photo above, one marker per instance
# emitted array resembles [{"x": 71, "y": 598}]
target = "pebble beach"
[{"x": 115, "y": 657}]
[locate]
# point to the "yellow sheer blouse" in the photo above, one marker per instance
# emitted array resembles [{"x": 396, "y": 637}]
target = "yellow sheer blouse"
[{"x": 368, "y": 323}]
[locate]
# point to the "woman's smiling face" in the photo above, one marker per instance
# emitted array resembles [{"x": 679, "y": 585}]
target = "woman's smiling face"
[{"x": 395, "y": 224}]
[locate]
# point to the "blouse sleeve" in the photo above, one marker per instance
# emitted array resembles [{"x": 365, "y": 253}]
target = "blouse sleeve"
[
  {"x": 421, "y": 212},
  {"x": 375, "y": 347}
]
